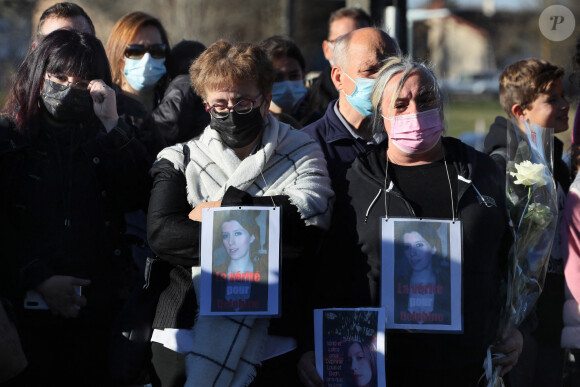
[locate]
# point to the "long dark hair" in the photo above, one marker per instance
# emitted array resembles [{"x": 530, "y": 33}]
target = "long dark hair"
[{"x": 62, "y": 51}]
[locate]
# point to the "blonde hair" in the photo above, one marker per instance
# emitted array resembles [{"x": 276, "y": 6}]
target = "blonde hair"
[
  {"x": 405, "y": 66},
  {"x": 225, "y": 64}
]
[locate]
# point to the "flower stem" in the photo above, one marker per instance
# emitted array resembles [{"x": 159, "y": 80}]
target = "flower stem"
[{"x": 525, "y": 207}]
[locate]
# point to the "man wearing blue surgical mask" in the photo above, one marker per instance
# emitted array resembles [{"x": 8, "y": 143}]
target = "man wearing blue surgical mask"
[
  {"x": 344, "y": 132},
  {"x": 290, "y": 98}
]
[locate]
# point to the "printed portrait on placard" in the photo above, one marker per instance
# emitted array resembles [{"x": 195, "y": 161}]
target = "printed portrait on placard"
[
  {"x": 240, "y": 261},
  {"x": 422, "y": 273}
]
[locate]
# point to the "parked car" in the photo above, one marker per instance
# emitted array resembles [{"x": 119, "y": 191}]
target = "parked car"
[{"x": 484, "y": 83}]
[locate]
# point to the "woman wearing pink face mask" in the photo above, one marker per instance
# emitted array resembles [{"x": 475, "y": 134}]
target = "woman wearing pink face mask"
[{"x": 418, "y": 173}]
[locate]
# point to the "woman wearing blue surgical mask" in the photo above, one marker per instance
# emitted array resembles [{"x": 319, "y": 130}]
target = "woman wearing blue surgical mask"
[
  {"x": 291, "y": 101},
  {"x": 138, "y": 50}
]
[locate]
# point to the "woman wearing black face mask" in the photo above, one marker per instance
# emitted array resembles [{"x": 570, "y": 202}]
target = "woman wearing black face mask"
[
  {"x": 70, "y": 169},
  {"x": 244, "y": 157}
]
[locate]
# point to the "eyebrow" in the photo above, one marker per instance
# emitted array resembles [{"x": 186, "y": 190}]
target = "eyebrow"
[
  {"x": 369, "y": 66},
  {"x": 222, "y": 101}
]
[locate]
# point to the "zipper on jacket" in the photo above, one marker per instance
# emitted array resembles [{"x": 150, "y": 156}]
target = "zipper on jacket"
[
  {"x": 394, "y": 193},
  {"x": 479, "y": 195}
]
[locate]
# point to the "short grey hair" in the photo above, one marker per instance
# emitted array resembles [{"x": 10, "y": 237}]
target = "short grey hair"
[
  {"x": 340, "y": 54},
  {"x": 340, "y": 57},
  {"x": 403, "y": 65}
]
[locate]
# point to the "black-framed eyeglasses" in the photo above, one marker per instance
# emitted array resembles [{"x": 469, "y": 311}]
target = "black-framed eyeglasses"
[
  {"x": 61, "y": 82},
  {"x": 136, "y": 51},
  {"x": 243, "y": 106}
]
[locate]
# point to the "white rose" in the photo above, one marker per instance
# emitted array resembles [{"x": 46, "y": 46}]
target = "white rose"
[{"x": 529, "y": 173}]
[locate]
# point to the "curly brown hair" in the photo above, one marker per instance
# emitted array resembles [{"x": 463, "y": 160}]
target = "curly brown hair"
[{"x": 225, "y": 64}]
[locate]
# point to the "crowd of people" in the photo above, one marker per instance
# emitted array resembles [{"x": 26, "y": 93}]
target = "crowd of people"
[{"x": 111, "y": 155}]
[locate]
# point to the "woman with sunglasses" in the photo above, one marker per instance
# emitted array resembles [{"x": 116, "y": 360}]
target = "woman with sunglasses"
[
  {"x": 138, "y": 50},
  {"x": 72, "y": 168},
  {"x": 165, "y": 110},
  {"x": 244, "y": 157}
]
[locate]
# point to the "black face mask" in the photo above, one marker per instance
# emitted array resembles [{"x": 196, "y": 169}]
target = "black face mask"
[
  {"x": 239, "y": 130},
  {"x": 66, "y": 103}
]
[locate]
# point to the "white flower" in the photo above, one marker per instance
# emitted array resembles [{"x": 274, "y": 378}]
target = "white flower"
[{"x": 529, "y": 173}]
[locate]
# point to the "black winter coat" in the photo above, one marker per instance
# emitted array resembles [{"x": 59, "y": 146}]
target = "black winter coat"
[
  {"x": 176, "y": 239},
  {"x": 179, "y": 117},
  {"x": 64, "y": 195}
]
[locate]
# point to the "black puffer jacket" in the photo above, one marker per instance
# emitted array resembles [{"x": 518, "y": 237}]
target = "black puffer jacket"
[
  {"x": 322, "y": 91},
  {"x": 64, "y": 195},
  {"x": 485, "y": 243},
  {"x": 179, "y": 117}
]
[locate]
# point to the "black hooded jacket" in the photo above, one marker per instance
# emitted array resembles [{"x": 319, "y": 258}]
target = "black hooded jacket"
[{"x": 480, "y": 206}]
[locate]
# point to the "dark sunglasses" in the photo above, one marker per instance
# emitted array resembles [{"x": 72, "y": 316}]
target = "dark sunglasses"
[{"x": 136, "y": 51}]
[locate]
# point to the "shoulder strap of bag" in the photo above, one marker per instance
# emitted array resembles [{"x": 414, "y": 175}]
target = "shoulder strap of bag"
[{"x": 186, "y": 156}]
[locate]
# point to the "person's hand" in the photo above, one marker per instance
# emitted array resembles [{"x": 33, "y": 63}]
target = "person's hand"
[
  {"x": 61, "y": 296},
  {"x": 307, "y": 371},
  {"x": 195, "y": 214},
  {"x": 511, "y": 347},
  {"x": 104, "y": 103}
]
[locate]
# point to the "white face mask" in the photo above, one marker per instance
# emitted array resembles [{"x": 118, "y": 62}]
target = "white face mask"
[{"x": 144, "y": 73}]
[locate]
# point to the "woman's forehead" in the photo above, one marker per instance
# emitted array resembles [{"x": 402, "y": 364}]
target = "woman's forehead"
[
  {"x": 413, "y": 235},
  {"x": 411, "y": 80},
  {"x": 148, "y": 34},
  {"x": 416, "y": 85},
  {"x": 246, "y": 88}
]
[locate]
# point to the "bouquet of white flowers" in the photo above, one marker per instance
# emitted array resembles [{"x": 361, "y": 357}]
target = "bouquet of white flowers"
[{"x": 531, "y": 200}]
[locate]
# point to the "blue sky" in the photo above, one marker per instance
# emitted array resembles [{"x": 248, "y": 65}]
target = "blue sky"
[{"x": 499, "y": 4}]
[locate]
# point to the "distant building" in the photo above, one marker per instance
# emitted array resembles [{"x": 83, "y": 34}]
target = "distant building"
[
  {"x": 455, "y": 46},
  {"x": 14, "y": 38},
  {"x": 459, "y": 47}
]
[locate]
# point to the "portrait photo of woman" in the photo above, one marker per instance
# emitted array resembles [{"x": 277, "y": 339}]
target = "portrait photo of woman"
[
  {"x": 359, "y": 367},
  {"x": 240, "y": 264},
  {"x": 422, "y": 286}
]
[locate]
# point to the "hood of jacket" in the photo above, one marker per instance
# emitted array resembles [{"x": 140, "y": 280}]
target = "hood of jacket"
[
  {"x": 497, "y": 136},
  {"x": 372, "y": 165}
]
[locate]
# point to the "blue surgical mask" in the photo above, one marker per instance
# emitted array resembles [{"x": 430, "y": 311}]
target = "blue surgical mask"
[
  {"x": 360, "y": 99},
  {"x": 286, "y": 94},
  {"x": 144, "y": 73}
]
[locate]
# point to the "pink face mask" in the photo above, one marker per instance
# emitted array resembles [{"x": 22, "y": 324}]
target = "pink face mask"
[{"x": 416, "y": 133}]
